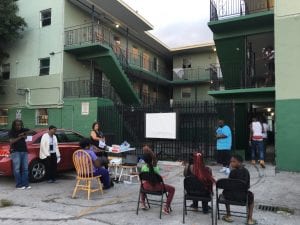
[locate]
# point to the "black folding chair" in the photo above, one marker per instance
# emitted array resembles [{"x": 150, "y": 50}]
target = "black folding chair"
[
  {"x": 195, "y": 190},
  {"x": 157, "y": 179},
  {"x": 238, "y": 190}
]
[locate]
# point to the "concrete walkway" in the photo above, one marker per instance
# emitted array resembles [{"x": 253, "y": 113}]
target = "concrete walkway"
[{"x": 52, "y": 203}]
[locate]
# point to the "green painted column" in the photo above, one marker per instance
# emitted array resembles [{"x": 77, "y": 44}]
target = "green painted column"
[{"x": 287, "y": 48}]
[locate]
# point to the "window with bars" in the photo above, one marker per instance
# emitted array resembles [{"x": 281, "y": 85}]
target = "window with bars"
[
  {"x": 45, "y": 17},
  {"x": 186, "y": 92},
  {"x": 5, "y": 71},
  {"x": 3, "y": 116},
  {"x": 44, "y": 66},
  {"x": 41, "y": 117}
]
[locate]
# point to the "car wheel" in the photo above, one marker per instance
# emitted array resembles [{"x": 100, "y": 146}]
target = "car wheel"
[{"x": 37, "y": 171}]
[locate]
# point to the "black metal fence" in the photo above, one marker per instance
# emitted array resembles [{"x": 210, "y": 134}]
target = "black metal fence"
[
  {"x": 223, "y": 9},
  {"x": 196, "y": 124}
]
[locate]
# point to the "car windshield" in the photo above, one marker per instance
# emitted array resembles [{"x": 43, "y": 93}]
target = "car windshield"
[{"x": 4, "y": 136}]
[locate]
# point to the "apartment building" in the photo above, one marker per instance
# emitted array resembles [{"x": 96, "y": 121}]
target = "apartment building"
[
  {"x": 259, "y": 81},
  {"x": 78, "y": 55}
]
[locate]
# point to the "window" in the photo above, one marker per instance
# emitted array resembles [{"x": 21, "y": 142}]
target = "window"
[
  {"x": 186, "y": 92},
  {"x": 44, "y": 66},
  {"x": 135, "y": 55},
  {"x": 3, "y": 116},
  {"x": 186, "y": 62},
  {"x": 5, "y": 69},
  {"x": 73, "y": 137},
  {"x": 41, "y": 117},
  {"x": 45, "y": 17}
]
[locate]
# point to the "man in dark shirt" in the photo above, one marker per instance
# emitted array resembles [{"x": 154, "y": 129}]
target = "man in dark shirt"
[
  {"x": 19, "y": 153},
  {"x": 241, "y": 173}
]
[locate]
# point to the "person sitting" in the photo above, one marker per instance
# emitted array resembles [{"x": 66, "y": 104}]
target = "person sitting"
[
  {"x": 241, "y": 173},
  {"x": 148, "y": 150},
  {"x": 197, "y": 168},
  {"x": 98, "y": 169},
  {"x": 148, "y": 167},
  {"x": 98, "y": 139}
]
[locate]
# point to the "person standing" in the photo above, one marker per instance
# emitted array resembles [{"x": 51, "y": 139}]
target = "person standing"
[
  {"x": 98, "y": 140},
  {"x": 256, "y": 141},
  {"x": 196, "y": 167},
  {"x": 49, "y": 152},
  {"x": 224, "y": 142},
  {"x": 265, "y": 134},
  {"x": 19, "y": 153}
]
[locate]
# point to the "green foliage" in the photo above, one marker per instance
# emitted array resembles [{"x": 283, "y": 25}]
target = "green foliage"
[{"x": 11, "y": 25}]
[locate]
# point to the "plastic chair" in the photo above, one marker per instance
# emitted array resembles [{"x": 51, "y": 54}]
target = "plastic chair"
[
  {"x": 239, "y": 189},
  {"x": 195, "y": 190},
  {"x": 84, "y": 168},
  {"x": 157, "y": 179}
]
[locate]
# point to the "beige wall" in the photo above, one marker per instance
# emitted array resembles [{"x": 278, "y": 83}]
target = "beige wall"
[
  {"x": 287, "y": 49},
  {"x": 37, "y": 42}
]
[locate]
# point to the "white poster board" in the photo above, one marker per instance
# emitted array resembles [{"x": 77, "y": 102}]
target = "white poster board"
[
  {"x": 85, "y": 108},
  {"x": 161, "y": 125}
]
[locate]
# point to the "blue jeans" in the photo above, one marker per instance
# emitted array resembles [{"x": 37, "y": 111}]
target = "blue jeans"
[
  {"x": 104, "y": 176},
  {"x": 257, "y": 145},
  {"x": 20, "y": 168}
]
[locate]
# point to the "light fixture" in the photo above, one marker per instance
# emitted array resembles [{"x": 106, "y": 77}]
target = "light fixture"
[
  {"x": 269, "y": 109},
  {"x": 272, "y": 113},
  {"x": 117, "y": 25},
  {"x": 214, "y": 49}
]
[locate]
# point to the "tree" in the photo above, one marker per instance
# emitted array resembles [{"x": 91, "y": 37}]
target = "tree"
[{"x": 11, "y": 25}]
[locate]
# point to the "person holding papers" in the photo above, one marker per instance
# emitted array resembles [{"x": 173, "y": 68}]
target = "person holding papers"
[
  {"x": 98, "y": 140},
  {"x": 49, "y": 152}
]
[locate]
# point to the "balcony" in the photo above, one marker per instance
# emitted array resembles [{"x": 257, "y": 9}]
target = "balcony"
[
  {"x": 230, "y": 76},
  {"x": 225, "y": 9},
  {"x": 87, "y": 34},
  {"x": 191, "y": 75},
  {"x": 81, "y": 88}
]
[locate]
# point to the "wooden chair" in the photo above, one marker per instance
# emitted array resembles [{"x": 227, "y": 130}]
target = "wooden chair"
[{"x": 84, "y": 168}]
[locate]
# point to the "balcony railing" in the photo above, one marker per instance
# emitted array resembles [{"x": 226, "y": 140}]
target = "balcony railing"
[
  {"x": 223, "y": 9},
  {"x": 191, "y": 74},
  {"x": 230, "y": 76},
  {"x": 79, "y": 88},
  {"x": 98, "y": 33}
]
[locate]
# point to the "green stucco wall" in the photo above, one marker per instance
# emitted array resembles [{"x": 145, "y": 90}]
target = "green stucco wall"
[
  {"x": 287, "y": 47},
  {"x": 287, "y": 134},
  {"x": 68, "y": 117}
]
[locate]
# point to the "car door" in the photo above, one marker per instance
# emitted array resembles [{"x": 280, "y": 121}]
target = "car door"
[{"x": 68, "y": 144}]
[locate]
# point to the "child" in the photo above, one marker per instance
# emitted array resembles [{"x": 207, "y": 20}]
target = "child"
[
  {"x": 148, "y": 186},
  {"x": 241, "y": 173}
]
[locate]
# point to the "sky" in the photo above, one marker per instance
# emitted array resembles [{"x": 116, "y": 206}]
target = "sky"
[{"x": 176, "y": 23}]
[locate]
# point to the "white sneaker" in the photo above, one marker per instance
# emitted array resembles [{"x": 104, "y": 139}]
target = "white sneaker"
[
  {"x": 227, "y": 172},
  {"x": 223, "y": 170},
  {"x": 21, "y": 188},
  {"x": 28, "y": 187}
]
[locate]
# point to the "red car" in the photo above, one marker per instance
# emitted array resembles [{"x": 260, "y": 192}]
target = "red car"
[{"x": 68, "y": 142}]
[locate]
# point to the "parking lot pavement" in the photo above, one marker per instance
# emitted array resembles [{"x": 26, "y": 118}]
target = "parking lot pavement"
[{"x": 52, "y": 203}]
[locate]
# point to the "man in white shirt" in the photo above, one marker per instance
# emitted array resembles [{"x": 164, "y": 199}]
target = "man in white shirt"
[{"x": 49, "y": 152}]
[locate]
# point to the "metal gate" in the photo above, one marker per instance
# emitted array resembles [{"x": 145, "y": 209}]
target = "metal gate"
[{"x": 196, "y": 125}]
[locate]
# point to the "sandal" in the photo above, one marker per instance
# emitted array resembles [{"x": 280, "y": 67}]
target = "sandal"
[
  {"x": 166, "y": 210},
  {"x": 227, "y": 219},
  {"x": 143, "y": 206},
  {"x": 251, "y": 222}
]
